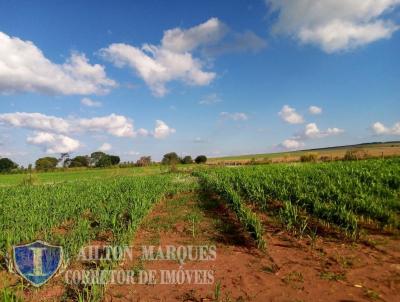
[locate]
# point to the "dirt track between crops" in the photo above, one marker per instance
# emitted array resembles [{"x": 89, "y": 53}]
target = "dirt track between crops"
[{"x": 292, "y": 269}]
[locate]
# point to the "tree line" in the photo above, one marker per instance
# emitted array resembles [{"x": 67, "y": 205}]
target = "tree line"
[{"x": 97, "y": 160}]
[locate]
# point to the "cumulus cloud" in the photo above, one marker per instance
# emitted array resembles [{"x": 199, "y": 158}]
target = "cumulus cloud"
[
  {"x": 90, "y": 103},
  {"x": 162, "y": 130},
  {"x": 174, "y": 58},
  {"x": 35, "y": 121},
  {"x": 117, "y": 125},
  {"x": 158, "y": 66},
  {"x": 210, "y": 99},
  {"x": 181, "y": 40},
  {"x": 24, "y": 68},
  {"x": 291, "y": 144},
  {"x": 335, "y": 25},
  {"x": 105, "y": 147},
  {"x": 311, "y": 131},
  {"x": 380, "y": 129},
  {"x": 314, "y": 110},
  {"x": 54, "y": 143},
  {"x": 289, "y": 115},
  {"x": 50, "y": 131},
  {"x": 235, "y": 116}
]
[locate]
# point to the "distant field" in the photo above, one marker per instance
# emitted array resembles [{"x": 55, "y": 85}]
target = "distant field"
[
  {"x": 372, "y": 150},
  {"x": 76, "y": 175}
]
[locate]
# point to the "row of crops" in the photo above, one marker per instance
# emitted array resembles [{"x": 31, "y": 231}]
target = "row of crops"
[
  {"x": 71, "y": 214},
  {"x": 346, "y": 195}
]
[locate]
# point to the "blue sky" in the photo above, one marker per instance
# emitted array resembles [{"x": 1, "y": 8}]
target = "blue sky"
[{"x": 196, "y": 77}]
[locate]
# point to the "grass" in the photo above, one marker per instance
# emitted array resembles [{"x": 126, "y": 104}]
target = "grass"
[{"x": 331, "y": 276}]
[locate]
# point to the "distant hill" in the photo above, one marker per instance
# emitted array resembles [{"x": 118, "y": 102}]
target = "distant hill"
[{"x": 373, "y": 149}]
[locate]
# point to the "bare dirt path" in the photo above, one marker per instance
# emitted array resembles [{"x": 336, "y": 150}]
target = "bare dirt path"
[{"x": 292, "y": 269}]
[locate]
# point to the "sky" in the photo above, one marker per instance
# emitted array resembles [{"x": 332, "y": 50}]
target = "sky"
[{"x": 137, "y": 78}]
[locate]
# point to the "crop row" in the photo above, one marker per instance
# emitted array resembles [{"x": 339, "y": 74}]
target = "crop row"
[
  {"x": 72, "y": 214},
  {"x": 344, "y": 194}
]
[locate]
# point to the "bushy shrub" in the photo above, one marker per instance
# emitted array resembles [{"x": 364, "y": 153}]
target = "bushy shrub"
[
  {"x": 201, "y": 159},
  {"x": 187, "y": 160}
]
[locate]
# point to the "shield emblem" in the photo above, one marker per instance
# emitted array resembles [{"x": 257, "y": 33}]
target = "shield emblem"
[{"x": 37, "y": 262}]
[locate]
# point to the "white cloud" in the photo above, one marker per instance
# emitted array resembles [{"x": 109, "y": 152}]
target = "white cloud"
[
  {"x": 174, "y": 59},
  {"x": 292, "y": 144},
  {"x": 54, "y": 143},
  {"x": 314, "y": 110},
  {"x": 235, "y": 116},
  {"x": 381, "y": 129},
  {"x": 180, "y": 40},
  {"x": 35, "y": 121},
  {"x": 210, "y": 99},
  {"x": 105, "y": 147},
  {"x": 117, "y": 125},
  {"x": 90, "y": 103},
  {"x": 289, "y": 115},
  {"x": 51, "y": 127},
  {"x": 162, "y": 130},
  {"x": 158, "y": 66},
  {"x": 24, "y": 68},
  {"x": 311, "y": 131},
  {"x": 49, "y": 131},
  {"x": 335, "y": 25}
]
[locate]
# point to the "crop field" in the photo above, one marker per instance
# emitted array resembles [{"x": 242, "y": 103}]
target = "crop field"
[
  {"x": 75, "y": 208},
  {"x": 342, "y": 194},
  {"x": 73, "y": 175}
]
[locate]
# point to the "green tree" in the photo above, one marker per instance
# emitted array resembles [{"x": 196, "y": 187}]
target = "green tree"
[
  {"x": 201, "y": 159},
  {"x": 187, "y": 160},
  {"x": 104, "y": 161},
  {"x": 6, "y": 165},
  {"x": 46, "y": 163},
  {"x": 170, "y": 159},
  {"x": 79, "y": 161},
  {"x": 114, "y": 159},
  {"x": 95, "y": 157},
  {"x": 143, "y": 161}
]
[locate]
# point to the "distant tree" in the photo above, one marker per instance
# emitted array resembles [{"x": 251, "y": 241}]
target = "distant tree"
[
  {"x": 46, "y": 163},
  {"x": 201, "y": 159},
  {"x": 114, "y": 159},
  {"x": 64, "y": 159},
  {"x": 143, "y": 161},
  {"x": 187, "y": 160},
  {"x": 95, "y": 157},
  {"x": 79, "y": 161},
  {"x": 6, "y": 165},
  {"x": 170, "y": 159},
  {"x": 104, "y": 161}
]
